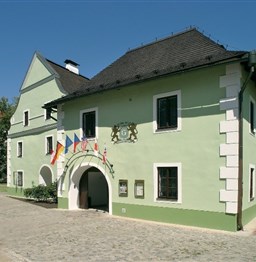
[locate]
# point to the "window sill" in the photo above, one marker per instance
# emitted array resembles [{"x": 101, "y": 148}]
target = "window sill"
[
  {"x": 168, "y": 201},
  {"x": 166, "y": 130}
]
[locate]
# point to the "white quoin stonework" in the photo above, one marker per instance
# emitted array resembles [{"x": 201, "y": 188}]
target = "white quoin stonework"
[
  {"x": 231, "y": 81},
  {"x": 60, "y": 161}
]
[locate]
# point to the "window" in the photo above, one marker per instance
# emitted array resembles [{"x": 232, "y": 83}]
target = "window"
[
  {"x": 26, "y": 118},
  {"x": 167, "y": 112},
  {"x": 18, "y": 178},
  {"x": 89, "y": 123},
  {"x": 252, "y": 183},
  {"x": 252, "y": 117},
  {"x": 48, "y": 113},
  {"x": 19, "y": 149},
  {"x": 167, "y": 182},
  {"x": 49, "y": 145}
]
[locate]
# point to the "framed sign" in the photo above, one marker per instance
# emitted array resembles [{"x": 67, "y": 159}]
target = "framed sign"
[
  {"x": 139, "y": 188},
  {"x": 123, "y": 188}
]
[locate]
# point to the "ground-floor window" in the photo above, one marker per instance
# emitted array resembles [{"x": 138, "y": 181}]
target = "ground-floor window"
[
  {"x": 18, "y": 178},
  {"x": 167, "y": 182}
]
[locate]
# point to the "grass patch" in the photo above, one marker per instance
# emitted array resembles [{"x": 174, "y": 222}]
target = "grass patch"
[{"x": 3, "y": 188}]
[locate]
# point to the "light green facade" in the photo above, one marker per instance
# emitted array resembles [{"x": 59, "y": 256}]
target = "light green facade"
[
  {"x": 204, "y": 148},
  {"x": 196, "y": 147},
  {"x": 39, "y": 87}
]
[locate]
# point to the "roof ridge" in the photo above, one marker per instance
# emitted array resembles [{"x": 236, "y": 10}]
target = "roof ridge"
[{"x": 164, "y": 38}]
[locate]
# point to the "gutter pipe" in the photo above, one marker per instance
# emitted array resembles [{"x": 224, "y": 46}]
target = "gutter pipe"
[{"x": 251, "y": 63}]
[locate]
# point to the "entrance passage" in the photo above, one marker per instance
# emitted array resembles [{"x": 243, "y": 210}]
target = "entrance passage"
[{"x": 93, "y": 190}]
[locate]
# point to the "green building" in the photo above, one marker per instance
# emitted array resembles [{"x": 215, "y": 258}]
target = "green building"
[{"x": 174, "y": 122}]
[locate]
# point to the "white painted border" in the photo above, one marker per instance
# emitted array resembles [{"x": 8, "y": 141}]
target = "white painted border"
[
  {"x": 96, "y": 121},
  {"x": 251, "y": 166},
  {"x": 155, "y": 97},
  {"x": 23, "y": 117},
  {"x": 73, "y": 193},
  {"x": 22, "y": 149},
  {"x": 155, "y": 179},
  {"x": 45, "y": 143}
]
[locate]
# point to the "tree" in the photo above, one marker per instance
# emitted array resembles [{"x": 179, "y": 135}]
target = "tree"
[{"x": 6, "y": 112}]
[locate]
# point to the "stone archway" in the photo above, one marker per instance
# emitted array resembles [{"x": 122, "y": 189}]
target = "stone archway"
[
  {"x": 96, "y": 176},
  {"x": 93, "y": 190},
  {"x": 45, "y": 176}
]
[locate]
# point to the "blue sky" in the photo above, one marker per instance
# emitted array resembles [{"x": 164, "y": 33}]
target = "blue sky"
[{"x": 95, "y": 33}]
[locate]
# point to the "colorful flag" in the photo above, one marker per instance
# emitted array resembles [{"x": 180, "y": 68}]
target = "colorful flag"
[
  {"x": 84, "y": 143},
  {"x": 76, "y": 142},
  {"x": 96, "y": 147},
  {"x": 52, "y": 155},
  {"x": 69, "y": 142},
  {"x": 104, "y": 157},
  {"x": 59, "y": 150}
]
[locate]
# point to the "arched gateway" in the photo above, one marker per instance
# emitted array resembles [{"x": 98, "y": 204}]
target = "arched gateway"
[{"x": 90, "y": 187}]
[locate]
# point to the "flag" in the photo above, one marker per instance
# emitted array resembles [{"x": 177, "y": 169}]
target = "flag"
[
  {"x": 96, "y": 147},
  {"x": 68, "y": 144},
  {"x": 52, "y": 155},
  {"x": 59, "y": 150},
  {"x": 84, "y": 143},
  {"x": 76, "y": 142},
  {"x": 104, "y": 157}
]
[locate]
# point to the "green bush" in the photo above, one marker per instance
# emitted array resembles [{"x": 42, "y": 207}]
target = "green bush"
[{"x": 42, "y": 193}]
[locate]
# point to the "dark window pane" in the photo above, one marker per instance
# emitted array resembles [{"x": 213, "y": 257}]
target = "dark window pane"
[
  {"x": 167, "y": 112},
  {"x": 252, "y": 117},
  {"x": 89, "y": 124},
  {"x": 168, "y": 183}
]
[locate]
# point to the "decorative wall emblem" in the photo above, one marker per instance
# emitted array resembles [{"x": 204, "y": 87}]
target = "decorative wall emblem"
[{"x": 124, "y": 132}]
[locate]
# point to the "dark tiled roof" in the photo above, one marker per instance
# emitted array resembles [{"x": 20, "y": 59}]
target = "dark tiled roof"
[
  {"x": 70, "y": 81},
  {"x": 180, "y": 52}
]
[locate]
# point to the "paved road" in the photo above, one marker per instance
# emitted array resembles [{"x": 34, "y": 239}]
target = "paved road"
[{"x": 32, "y": 233}]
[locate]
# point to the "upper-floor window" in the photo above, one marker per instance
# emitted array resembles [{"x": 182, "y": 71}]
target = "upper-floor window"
[
  {"x": 19, "y": 149},
  {"x": 167, "y": 116},
  {"x": 49, "y": 145},
  {"x": 48, "y": 113},
  {"x": 251, "y": 182},
  {"x": 167, "y": 181},
  {"x": 26, "y": 118},
  {"x": 252, "y": 116},
  {"x": 89, "y": 123}
]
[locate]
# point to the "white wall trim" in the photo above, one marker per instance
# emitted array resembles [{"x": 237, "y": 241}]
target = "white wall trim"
[
  {"x": 155, "y": 179},
  {"x": 73, "y": 193},
  {"x": 229, "y": 127},
  {"x": 96, "y": 121},
  {"x": 155, "y": 97}
]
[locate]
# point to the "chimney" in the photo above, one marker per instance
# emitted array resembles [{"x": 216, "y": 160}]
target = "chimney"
[{"x": 72, "y": 66}]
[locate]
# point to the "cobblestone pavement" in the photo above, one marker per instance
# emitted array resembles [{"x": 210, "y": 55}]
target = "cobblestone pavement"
[{"x": 33, "y": 233}]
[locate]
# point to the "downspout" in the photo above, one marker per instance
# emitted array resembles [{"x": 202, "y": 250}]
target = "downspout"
[{"x": 251, "y": 63}]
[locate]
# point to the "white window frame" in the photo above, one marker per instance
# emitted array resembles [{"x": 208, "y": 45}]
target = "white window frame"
[
  {"x": 251, "y": 100},
  {"x": 46, "y": 151},
  {"x": 96, "y": 121},
  {"x": 251, "y": 166},
  {"x": 27, "y": 110},
  {"x": 155, "y": 174},
  {"x": 22, "y": 149},
  {"x": 155, "y": 98}
]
